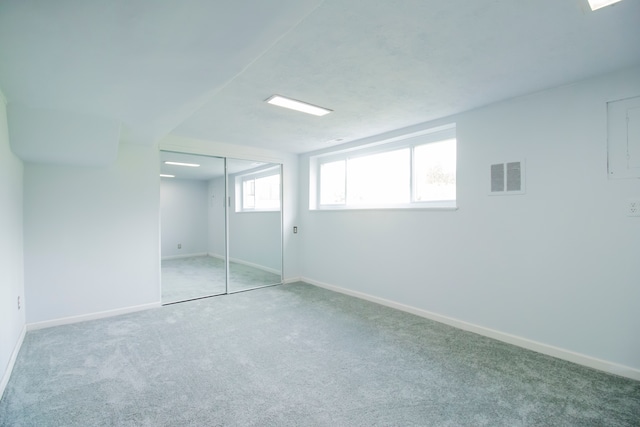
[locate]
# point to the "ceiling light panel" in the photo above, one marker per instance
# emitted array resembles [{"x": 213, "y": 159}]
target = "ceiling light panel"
[
  {"x": 293, "y": 104},
  {"x": 164, "y": 175},
  {"x": 597, "y": 4},
  {"x": 189, "y": 165}
]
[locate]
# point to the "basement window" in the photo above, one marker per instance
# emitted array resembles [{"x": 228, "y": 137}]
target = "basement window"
[
  {"x": 412, "y": 171},
  {"x": 258, "y": 191}
]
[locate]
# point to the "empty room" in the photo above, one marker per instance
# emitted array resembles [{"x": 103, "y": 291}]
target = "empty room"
[{"x": 320, "y": 213}]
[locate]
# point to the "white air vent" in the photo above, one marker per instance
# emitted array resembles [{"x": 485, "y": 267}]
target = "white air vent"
[{"x": 507, "y": 178}]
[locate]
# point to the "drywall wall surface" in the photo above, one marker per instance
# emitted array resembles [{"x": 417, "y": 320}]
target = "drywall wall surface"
[
  {"x": 183, "y": 217},
  {"x": 92, "y": 236},
  {"x": 12, "y": 319},
  {"x": 557, "y": 265},
  {"x": 290, "y": 185},
  {"x": 290, "y": 219}
]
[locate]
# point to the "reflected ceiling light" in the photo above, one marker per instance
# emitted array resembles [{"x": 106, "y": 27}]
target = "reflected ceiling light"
[
  {"x": 293, "y": 104},
  {"x": 164, "y": 175},
  {"x": 191, "y": 165},
  {"x": 597, "y": 4}
]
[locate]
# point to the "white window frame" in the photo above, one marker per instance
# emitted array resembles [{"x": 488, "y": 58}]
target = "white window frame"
[
  {"x": 411, "y": 140},
  {"x": 242, "y": 177}
]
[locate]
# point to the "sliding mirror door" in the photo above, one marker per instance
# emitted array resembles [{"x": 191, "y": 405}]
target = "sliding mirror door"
[
  {"x": 255, "y": 224},
  {"x": 192, "y": 216}
]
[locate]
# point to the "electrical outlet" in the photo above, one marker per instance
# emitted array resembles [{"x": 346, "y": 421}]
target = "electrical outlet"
[
  {"x": 295, "y": 229},
  {"x": 633, "y": 207},
  {"x": 18, "y": 302},
  {"x": 179, "y": 245}
]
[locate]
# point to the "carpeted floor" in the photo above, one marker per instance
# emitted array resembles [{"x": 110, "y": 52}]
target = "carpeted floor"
[
  {"x": 297, "y": 355},
  {"x": 200, "y": 276}
]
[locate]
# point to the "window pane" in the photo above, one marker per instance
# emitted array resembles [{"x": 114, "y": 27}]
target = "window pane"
[
  {"x": 332, "y": 179},
  {"x": 267, "y": 192},
  {"x": 379, "y": 178},
  {"x": 435, "y": 171},
  {"x": 248, "y": 194}
]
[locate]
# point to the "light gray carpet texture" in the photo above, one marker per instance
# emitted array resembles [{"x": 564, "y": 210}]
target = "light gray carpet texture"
[
  {"x": 199, "y": 276},
  {"x": 297, "y": 355}
]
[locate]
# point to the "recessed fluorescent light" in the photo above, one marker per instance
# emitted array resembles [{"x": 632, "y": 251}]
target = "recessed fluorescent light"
[
  {"x": 293, "y": 104},
  {"x": 597, "y": 4},
  {"x": 191, "y": 165},
  {"x": 164, "y": 175}
]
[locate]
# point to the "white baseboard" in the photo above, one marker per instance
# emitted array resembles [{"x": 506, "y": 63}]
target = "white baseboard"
[
  {"x": 258, "y": 266},
  {"x": 164, "y": 258},
  {"x": 247, "y": 263},
  {"x": 90, "y": 316},
  {"x": 293, "y": 280},
  {"x": 12, "y": 361},
  {"x": 549, "y": 350},
  {"x": 213, "y": 255}
]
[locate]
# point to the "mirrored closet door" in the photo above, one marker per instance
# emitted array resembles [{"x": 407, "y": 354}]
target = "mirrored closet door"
[
  {"x": 221, "y": 225},
  {"x": 192, "y": 226},
  {"x": 255, "y": 224}
]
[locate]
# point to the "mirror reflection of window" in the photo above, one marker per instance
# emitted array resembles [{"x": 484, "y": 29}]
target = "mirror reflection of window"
[{"x": 259, "y": 189}]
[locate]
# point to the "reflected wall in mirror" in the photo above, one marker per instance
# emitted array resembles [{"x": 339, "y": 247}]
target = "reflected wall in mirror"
[
  {"x": 255, "y": 224},
  {"x": 192, "y": 217}
]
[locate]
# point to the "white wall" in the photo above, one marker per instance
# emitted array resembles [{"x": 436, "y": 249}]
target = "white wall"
[
  {"x": 183, "y": 217},
  {"x": 559, "y": 265},
  {"x": 92, "y": 236},
  {"x": 290, "y": 184},
  {"x": 12, "y": 320}
]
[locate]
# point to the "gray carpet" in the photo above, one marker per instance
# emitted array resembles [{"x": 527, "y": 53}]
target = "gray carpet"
[
  {"x": 297, "y": 355},
  {"x": 200, "y": 276}
]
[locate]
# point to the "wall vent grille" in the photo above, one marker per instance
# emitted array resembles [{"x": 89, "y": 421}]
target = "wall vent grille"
[{"x": 507, "y": 178}]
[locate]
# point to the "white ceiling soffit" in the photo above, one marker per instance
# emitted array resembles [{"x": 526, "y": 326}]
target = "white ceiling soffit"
[
  {"x": 202, "y": 69},
  {"x": 41, "y": 135},
  {"x": 147, "y": 64}
]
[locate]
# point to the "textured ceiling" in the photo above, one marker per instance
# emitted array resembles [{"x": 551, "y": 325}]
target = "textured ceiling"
[{"x": 203, "y": 68}]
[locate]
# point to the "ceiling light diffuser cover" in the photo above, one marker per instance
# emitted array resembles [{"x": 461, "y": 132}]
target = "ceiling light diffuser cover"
[
  {"x": 190, "y": 165},
  {"x": 597, "y": 4},
  {"x": 294, "y": 104}
]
